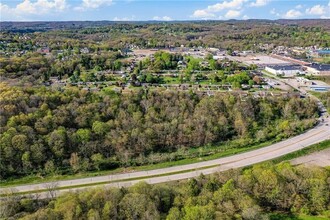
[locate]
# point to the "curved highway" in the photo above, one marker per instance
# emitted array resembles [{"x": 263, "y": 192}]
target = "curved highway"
[{"x": 315, "y": 135}]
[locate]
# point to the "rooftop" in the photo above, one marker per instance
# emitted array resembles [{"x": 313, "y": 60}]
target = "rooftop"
[
  {"x": 323, "y": 51},
  {"x": 320, "y": 67},
  {"x": 285, "y": 67}
]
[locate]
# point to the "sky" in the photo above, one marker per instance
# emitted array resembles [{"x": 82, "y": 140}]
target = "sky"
[{"x": 161, "y": 10}]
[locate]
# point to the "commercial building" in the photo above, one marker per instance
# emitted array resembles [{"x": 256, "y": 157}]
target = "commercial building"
[
  {"x": 285, "y": 70},
  {"x": 320, "y": 88},
  {"x": 318, "y": 69}
]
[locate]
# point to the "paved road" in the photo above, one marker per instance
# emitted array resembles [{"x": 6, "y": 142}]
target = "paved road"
[{"x": 320, "y": 133}]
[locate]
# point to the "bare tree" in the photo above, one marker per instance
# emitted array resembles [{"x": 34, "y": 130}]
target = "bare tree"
[
  {"x": 9, "y": 202},
  {"x": 51, "y": 188}
]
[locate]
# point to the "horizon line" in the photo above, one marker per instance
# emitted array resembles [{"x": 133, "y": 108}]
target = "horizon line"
[{"x": 169, "y": 21}]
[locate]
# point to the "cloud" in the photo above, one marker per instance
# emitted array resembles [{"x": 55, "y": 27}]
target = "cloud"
[
  {"x": 164, "y": 18},
  {"x": 7, "y": 13},
  {"x": 274, "y": 12},
  {"x": 292, "y": 14},
  {"x": 321, "y": 11},
  {"x": 234, "y": 4},
  {"x": 259, "y": 3},
  {"x": 245, "y": 17},
  {"x": 28, "y": 7},
  {"x": 92, "y": 4},
  {"x": 40, "y": 6},
  {"x": 4, "y": 8},
  {"x": 316, "y": 10},
  {"x": 132, "y": 18},
  {"x": 167, "y": 18},
  {"x": 211, "y": 9},
  {"x": 232, "y": 14},
  {"x": 202, "y": 14}
]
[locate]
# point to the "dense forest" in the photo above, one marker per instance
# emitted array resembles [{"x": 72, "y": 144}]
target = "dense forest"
[
  {"x": 265, "y": 191},
  {"x": 48, "y": 131}
]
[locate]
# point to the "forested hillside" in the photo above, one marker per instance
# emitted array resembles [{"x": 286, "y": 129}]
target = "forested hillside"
[
  {"x": 46, "y": 131},
  {"x": 265, "y": 191},
  {"x": 238, "y": 35}
]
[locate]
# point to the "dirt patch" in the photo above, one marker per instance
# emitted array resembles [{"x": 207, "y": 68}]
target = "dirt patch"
[{"x": 321, "y": 158}]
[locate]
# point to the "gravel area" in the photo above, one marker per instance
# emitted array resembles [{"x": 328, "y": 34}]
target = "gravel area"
[{"x": 321, "y": 158}]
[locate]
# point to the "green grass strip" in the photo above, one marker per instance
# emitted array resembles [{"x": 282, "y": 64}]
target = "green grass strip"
[
  {"x": 308, "y": 150},
  {"x": 214, "y": 153}
]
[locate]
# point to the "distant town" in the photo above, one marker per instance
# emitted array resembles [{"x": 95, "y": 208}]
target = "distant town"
[{"x": 269, "y": 72}]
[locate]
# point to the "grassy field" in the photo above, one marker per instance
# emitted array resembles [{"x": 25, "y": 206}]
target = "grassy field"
[{"x": 308, "y": 217}]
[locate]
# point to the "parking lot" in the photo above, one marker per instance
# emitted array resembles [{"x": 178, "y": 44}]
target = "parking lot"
[{"x": 260, "y": 60}]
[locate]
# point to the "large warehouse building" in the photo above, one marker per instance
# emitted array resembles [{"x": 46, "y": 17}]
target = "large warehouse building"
[
  {"x": 318, "y": 69},
  {"x": 285, "y": 70}
]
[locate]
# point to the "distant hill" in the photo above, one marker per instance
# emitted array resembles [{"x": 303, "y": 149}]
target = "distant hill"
[{"x": 37, "y": 26}]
